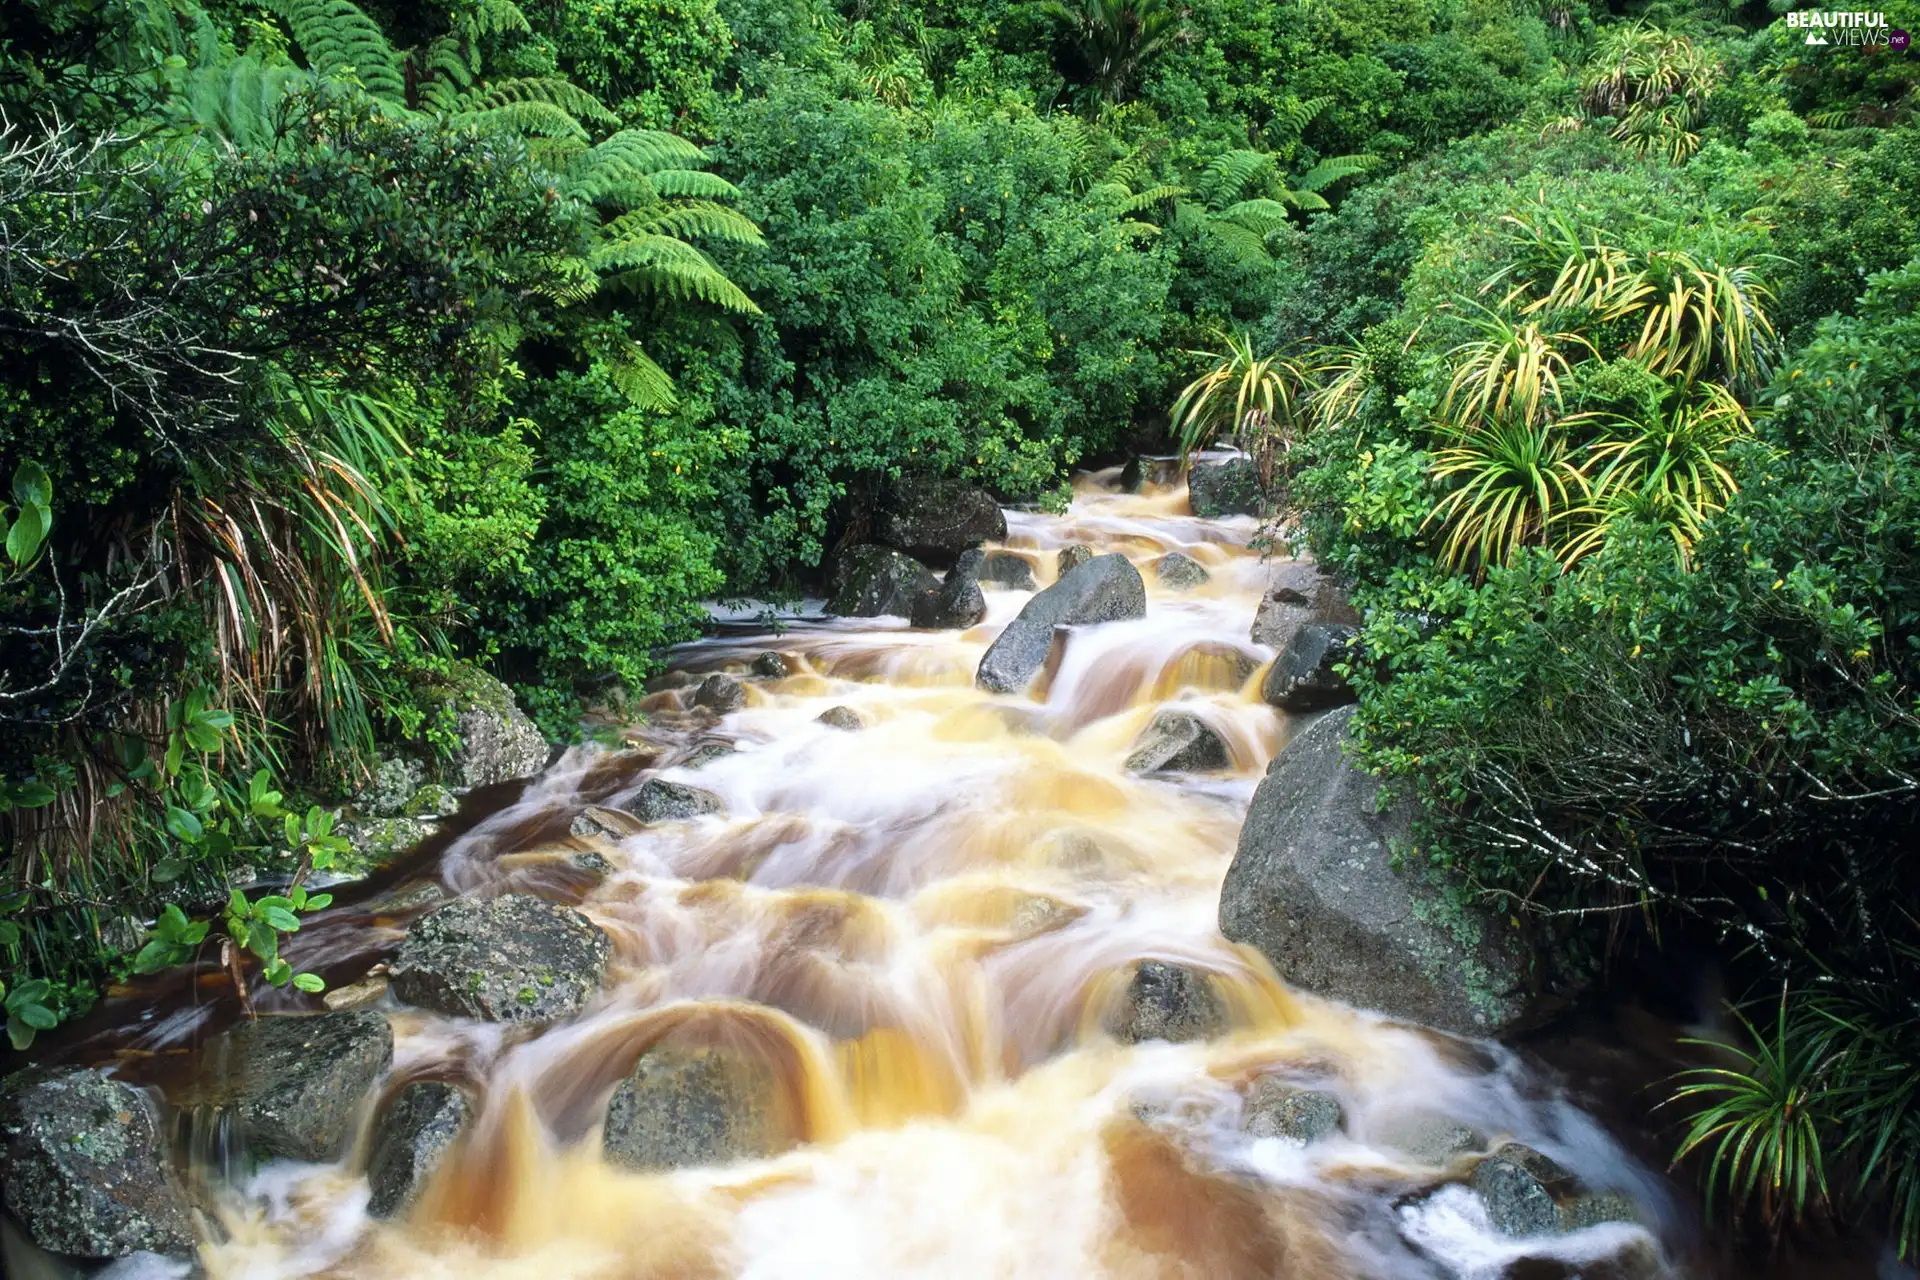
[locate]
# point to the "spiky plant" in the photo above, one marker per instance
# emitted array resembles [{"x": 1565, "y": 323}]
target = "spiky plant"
[
  {"x": 1115, "y": 40},
  {"x": 1654, "y": 84},
  {"x": 1512, "y": 371},
  {"x": 1697, "y": 316},
  {"x": 1513, "y": 484},
  {"x": 1255, "y": 399}
]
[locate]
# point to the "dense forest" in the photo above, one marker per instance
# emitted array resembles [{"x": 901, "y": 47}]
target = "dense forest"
[{"x": 349, "y": 351}]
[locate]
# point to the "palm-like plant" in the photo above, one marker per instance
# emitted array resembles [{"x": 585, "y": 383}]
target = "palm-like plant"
[
  {"x": 1514, "y": 482},
  {"x": 1116, "y": 39},
  {"x": 1513, "y": 370},
  {"x": 1654, "y": 84},
  {"x": 1697, "y": 316},
  {"x": 1255, "y": 399}
]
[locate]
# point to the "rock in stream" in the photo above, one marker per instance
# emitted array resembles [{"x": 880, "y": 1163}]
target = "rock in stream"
[
  {"x": 1104, "y": 589},
  {"x": 514, "y": 958}
]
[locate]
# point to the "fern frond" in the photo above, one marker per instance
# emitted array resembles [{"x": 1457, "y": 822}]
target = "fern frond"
[
  {"x": 1332, "y": 170},
  {"x": 1149, "y": 198},
  {"x": 692, "y": 183},
  {"x": 1297, "y": 115},
  {"x": 550, "y": 91},
  {"x": 1308, "y": 201},
  {"x": 494, "y": 18},
  {"x": 1228, "y": 175},
  {"x": 568, "y": 279},
  {"x": 701, "y": 218},
  {"x": 338, "y": 38},
  {"x": 237, "y": 99},
  {"x": 634, "y": 375},
  {"x": 536, "y": 119},
  {"x": 626, "y": 156},
  {"x": 1258, "y": 215},
  {"x": 1246, "y": 244},
  {"x": 662, "y": 264}
]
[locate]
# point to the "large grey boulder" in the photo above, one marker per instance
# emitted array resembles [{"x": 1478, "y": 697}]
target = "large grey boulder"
[
  {"x": 83, "y": 1168},
  {"x": 410, "y": 1141},
  {"x": 1178, "y": 742},
  {"x": 958, "y": 603},
  {"x": 1232, "y": 488},
  {"x": 294, "y": 1083},
  {"x": 685, "y": 1106},
  {"x": 1528, "y": 1194},
  {"x": 1104, "y": 589},
  {"x": 1167, "y": 1002},
  {"x": 1313, "y": 888},
  {"x": 514, "y": 958},
  {"x": 1179, "y": 571},
  {"x": 497, "y": 742},
  {"x": 720, "y": 693},
  {"x": 935, "y": 519},
  {"x": 1298, "y": 593},
  {"x": 1303, "y": 677},
  {"x": 1007, "y": 569},
  {"x": 659, "y": 800},
  {"x": 870, "y": 581}
]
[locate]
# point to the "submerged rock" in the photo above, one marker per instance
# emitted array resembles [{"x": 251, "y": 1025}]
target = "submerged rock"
[
  {"x": 935, "y": 519},
  {"x": 1303, "y": 678},
  {"x": 608, "y": 824},
  {"x": 772, "y": 666},
  {"x": 1008, "y": 569},
  {"x": 410, "y": 1141},
  {"x": 515, "y": 958},
  {"x": 83, "y": 1169},
  {"x": 1071, "y": 557},
  {"x": 720, "y": 694},
  {"x": 1167, "y": 1002},
  {"x": 1428, "y": 1138},
  {"x": 659, "y": 800},
  {"x": 1216, "y": 489},
  {"x": 957, "y": 603},
  {"x": 1527, "y": 1194},
  {"x": 1104, "y": 589},
  {"x": 497, "y": 742},
  {"x": 295, "y": 1083},
  {"x": 1180, "y": 571},
  {"x": 685, "y": 1106},
  {"x": 1299, "y": 593},
  {"x": 706, "y": 753},
  {"x": 1178, "y": 742},
  {"x": 872, "y": 581},
  {"x": 1313, "y": 888},
  {"x": 1276, "y": 1109},
  {"x": 842, "y": 718}
]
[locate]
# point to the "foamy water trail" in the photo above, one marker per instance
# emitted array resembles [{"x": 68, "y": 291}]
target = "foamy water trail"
[{"x": 922, "y": 928}]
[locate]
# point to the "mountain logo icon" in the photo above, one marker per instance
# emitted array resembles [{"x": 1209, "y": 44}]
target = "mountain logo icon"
[{"x": 1814, "y": 37}]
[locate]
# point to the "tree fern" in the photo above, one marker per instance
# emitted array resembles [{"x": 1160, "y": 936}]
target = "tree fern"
[
  {"x": 652, "y": 263},
  {"x": 1332, "y": 170},
  {"x": 537, "y": 119},
  {"x": 1228, "y": 175},
  {"x": 240, "y": 97},
  {"x": 634, "y": 375},
  {"x": 548, "y": 91},
  {"x": 692, "y": 184},
  {"x": 627, "y": 155},
  {"x": 699, "y": 218},
  {"x": 338, "y": 38}
]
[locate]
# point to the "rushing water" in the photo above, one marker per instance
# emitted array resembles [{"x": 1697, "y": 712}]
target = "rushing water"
[{"x": 922, "y": 925}]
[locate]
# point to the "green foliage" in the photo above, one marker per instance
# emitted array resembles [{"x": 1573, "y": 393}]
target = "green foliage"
[{"x": 1113, "y": 41}]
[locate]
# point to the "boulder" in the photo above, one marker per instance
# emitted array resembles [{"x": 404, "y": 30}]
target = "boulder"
[
  {"x": 706, "y": 753},
  {"x": 1427, "y": 1138},
  {"x": 1008, "y": 569},
  {"x": 685, "y": 1106},
  {"x": 497, "y": 743},
  {"x": 958, "y": 602},
  {"x": 1313, "y": 887},
  {"x": 1299, "y": 593},
  {"x": 659, "y": 800},
  {"x": 1232, "y": 488},
  {"x": 934, "y": 519},
  {"x": 295, "y": 1082},
  {"x": 383, "y": 840},
  {"x": 1303, "y": 678},
  {"x": 83, "y": 1169},
  {"x": 1178, "y": 742},
  {"x": 1167, "y": 1002},
  {"x": 608, "y": 824},
  {"x": 1104, "y": 589},
  {"x": 1180, "y": 572},
  {"x": 1527, "y": 1194},
  {"x": 514, "y": 958},
  {"x": 842, "y": 718},
  {"x": 870, "y": 581},
  {"x": 431, "y": 801},
  {"x": 720, "y": 694},
  {"x": 1276, "y": 1109},
  {"x": 772, "y": 666},
  {"x": 410, "y": 1141},
  {"x": 1071, "y": 557},
  {"x": 386, "y": 793}
]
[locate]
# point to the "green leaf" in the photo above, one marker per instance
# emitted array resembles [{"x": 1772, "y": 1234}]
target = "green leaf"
[
  {"x": 32, "y": 795},
  {"x": 167, "y": 870},
  {"x": 309, "y": 982},
  {"x": 278, "y": 972},
  {"x": 240, "y": 931},
  {"x": 237, "y": 904},
  {"x": 293, "y": 830},
  {"x": 319, "y": 822},
  {"x": 28, "y": 532},
  {"x": 176, "y": 752},
  {"x": 9, "y": 934},
  {"x": 319, "y": 902},
  {"x": 32, "y": 991},
  {"x": 37, "y": 1016},
  {"x": 31, "y": 486},
  {"x": 282, "y": 919},
  {"x": 153, "y": 957},
  {"x": 20, "y": 1034},
  {"x": 297, "y": 897},
  {"x": 202, "y": 738},
  {"x": 172, "y": 922}
]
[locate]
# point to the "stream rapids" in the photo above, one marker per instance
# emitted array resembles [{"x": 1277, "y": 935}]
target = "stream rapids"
[{"x": 922, "y": 927}]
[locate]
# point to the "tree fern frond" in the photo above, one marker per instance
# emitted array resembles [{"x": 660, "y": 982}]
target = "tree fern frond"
[
  {"x": 1228, "y": 175},
  {"x": 692, "y": 183},
  {"x": 690, "y": 218},
  {"x": 338, "y": 38},
  {"x": 1332, "y": 170},
  {"x": 550, "y": 91},
  {"x": 1249, "y": 246},
  {"x": 1258, "y": 215},
  {"x": 1308, "y": 201},
  {"x": 627, "y": 155},
  {"x": 634, "y": 375},
  {"x": 1297, "y": 115},
  {"x": 1149, "y": 198},
  {"x": 537, "y": 119},
  {"x": 237, "y": 99},
  {"x": 493, "y": 18},
  {"x": 568, "y": 279},
  {"x": 662, "y": 264}
]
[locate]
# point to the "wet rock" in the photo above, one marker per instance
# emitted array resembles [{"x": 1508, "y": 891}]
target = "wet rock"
[
  {"x": 497, "y": 742},
  {"x": 958, "y": 602},
  {"x": 1299, "y": 593},
  {"x": 935, "y": 519},
  {"x": 872, "y": 581},
  {"x": 1008, "y": 569},
  {"x": 686, "y": 1106},
  {"x": 1216, "y": 489},
  {"x": 592, "y": 863},
  {"x": 356, "y": 995},
  {"x": 1313, "y": 888},
  {"x": 514, "y": 958},
  {"x": 1527, "y": 1194},
  {"x": 608, "y": 824},
  {"x": 842, "y": 718},
  {"x": 720, "y": 694},
  {"x": 431, "y": 801},
  {"x": 1180, "y": 571},
  {"x": 706, "y": 753},
  {"x": 394, "y": 782},
  {"x": 1071, "y": 557},
  {"x": 1178, "y": 742},
  {"x": 411, "y": 1140},
  {"x": 383, "y": 840},
  {"x": 772, "y": 666},
  {"x": 295, "y": 1083},
  {"x": 1104, "y": 589},
  {"x": 1276, "y": 1109},
  {"x": 1303, "y": 678},
  {"x": 83, "y": 1168},
  {"x": 659, "y": 800},
  {"x": 1428, "y": 1138},
  {"x": 1167, "y": 1002},
  {"x": 409, "y": 897}
]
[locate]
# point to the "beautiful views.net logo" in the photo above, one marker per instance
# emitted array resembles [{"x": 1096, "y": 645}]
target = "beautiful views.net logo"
[{"x": 1848, "y": 26}]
